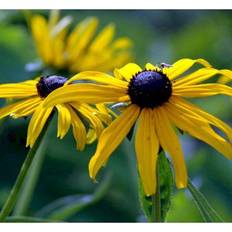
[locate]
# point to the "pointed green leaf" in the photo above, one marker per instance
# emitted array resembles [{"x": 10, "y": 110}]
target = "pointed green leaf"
[
  {"x": 66, "y": 207},
  {"x": 207, "y": 212}
]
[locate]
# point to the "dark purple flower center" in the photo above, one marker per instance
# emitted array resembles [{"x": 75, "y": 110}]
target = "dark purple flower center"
[
  {"x": 48, "y": 84},
  {"x": 150, "y": 89}
]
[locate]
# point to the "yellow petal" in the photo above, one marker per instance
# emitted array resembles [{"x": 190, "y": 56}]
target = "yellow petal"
[
  {"x": 17, "y": 90},
  {"x": 169, "y": 142},
  {"x": 227, "y": 76},
  {"x": 88, "y": 93},
  {"x": 201, "y": 90},
  {"x": 199, "y": 129},
  {"x": 105, "y": 114},
  {"x": 78, "y": 129},
  {"x": 150, "y": 66},
  {"x": 90, "y": 115},
  {"x": 98, "y": 77},
  {"x": 19, "y": 107},
  {"x": 182, "y": 66},
  {"x": 91, "y": 136},
  {"x": 197, "y": 77},
  {"x": 202, "y": 115},
  {"x": 122, "y": 43},
  {"x": 64, "y": 120},
  {"x": 41, "y": 35},
  {"x": 80, "y": 38},
  {"x": 128, "y": 71},
  {"x": 104, "y": 38},
  {"x": 147, "y": 147},
  {"x": 111, "y": 137},
  {"x": 37, "y": 123}
]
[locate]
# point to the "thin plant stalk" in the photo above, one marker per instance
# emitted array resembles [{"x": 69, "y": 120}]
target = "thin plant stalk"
[
  {"x": 14, "y": 193},
  {"x": 31, "y": 180}
]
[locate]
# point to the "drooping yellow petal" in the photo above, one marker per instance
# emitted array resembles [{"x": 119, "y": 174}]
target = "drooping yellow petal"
[
  {"x": 90, "y": 115},
  {"x": 169, "y": 142},
  {"x": 227, "y": 76},
  {"x": 64, "y": 120},
  {"x": 201, "y": 90},
  {"x": 128, "y": 71},
  {"x": 111, "y": 137},
  {"x": 88, "y": 93},
  {"x": 199, "y": 129},
  {"x": 182, "y": 66},
  {"x": 27, "y": 109},
  {"x": 78, "y": 128},
  {"x": 37, "y": 123},
  {"x": 17, "y": 107},
  {"x": 202, "y": 115},
  {"x": 147, "y": 147},
  {"x": 98, "y": 77}
]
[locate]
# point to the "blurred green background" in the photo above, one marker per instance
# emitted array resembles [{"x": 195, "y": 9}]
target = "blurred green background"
[{"x": 159, "y": 36}]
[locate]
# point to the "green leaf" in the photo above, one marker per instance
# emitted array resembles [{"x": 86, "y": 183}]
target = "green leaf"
[
  {"x": 165, "y": 185},
  {"x": 66, "y": 207},
  {"x": 27, "y": 219},
  {"x": 207, "y": 212}
]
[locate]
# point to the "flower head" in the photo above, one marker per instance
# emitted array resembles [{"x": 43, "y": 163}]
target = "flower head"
[
  {"x": 80, "y": 49},
  {"x": 156, "y": 99},
  {"x": 29, "y": 97}
]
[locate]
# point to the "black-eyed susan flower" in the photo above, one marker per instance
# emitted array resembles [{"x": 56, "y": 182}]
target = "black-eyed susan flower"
[
  {"x": 29, "y": 97},
  {"x": 156, "y": 98},
  {"x": 81, "y": 49}
]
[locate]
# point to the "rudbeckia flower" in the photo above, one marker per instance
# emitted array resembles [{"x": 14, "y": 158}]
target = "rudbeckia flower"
[
  {"x": 29, "y": 97},
  {"x": 156, "y": 99},
  {"x": 81, "y": 49}
]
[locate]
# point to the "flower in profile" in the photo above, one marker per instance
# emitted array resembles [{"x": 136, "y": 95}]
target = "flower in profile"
[
  {"x": 81, "y": 49},
  {"x": 29, "y": 97},
  {"x": 156, "y": 98}
]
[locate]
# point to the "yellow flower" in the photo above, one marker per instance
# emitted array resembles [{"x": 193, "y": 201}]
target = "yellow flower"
[
  {"x": 30, "y": 95},
  {"x": 79, "y": 50},
  {"x": 156, "y": 98}
]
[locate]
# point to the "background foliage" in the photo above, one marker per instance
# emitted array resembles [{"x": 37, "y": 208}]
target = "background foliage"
[{"x": 159, "y": 36}]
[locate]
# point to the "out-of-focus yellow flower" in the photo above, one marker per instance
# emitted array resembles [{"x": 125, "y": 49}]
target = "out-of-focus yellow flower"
[
  {"x": 81, "y": 49},
  {"x": 29, "y": 97},
  {"x": 156, "y": 98}
]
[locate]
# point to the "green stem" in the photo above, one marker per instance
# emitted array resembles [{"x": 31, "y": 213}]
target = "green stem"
[
  {"x": 11, "y": 200},
  {"x": 31, "y": 179},
  {"x": 156, "y": 201}
]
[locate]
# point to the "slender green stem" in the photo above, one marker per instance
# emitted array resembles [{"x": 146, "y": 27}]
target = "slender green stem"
[
  {"x": 31, "y": 180},
  {"x": 156, "y": 201},
  {"x": 12, "y": 198}
]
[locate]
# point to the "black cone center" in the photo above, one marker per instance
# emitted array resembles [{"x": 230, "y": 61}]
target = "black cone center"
[
  {"x": 48, "y": 84},
  {"x": 150, "y": 89}
]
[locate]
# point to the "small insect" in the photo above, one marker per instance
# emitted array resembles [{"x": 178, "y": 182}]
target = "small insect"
[{"x": 164, "y": 65}]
